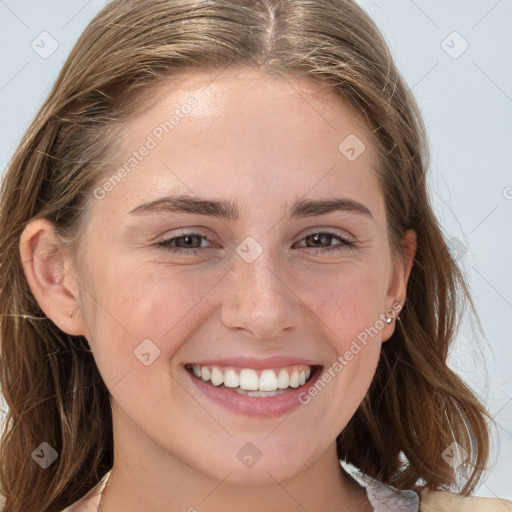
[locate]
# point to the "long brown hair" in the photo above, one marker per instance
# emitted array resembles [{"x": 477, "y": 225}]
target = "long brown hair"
[{"x": 416, "y": 406}]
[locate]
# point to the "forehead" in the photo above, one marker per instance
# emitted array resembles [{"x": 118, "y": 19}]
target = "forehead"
[{"x": 241, "y": 132}]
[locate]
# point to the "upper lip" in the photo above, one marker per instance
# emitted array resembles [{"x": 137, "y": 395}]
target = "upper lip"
[{"x": 257, "y": 363}]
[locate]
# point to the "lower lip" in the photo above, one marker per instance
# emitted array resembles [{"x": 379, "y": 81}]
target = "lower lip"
[{"x": 261, "y": 407}]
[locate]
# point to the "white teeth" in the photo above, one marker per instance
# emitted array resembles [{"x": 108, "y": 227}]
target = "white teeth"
[
  {"x": 205, "y": 373},
  {"x": 260, "y": 394},
  {"x": 217, "y": 376},
  {"x": 231, "y": 379},
  {"x": 268, "y": 381},
  {"x": 283, "y": 379},
  {"x": 246, "y": 381},
  {"x": 294, "y": 379}
]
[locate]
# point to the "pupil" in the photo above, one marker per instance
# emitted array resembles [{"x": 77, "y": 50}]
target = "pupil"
[
  {"x": 318, "y": 236},
  {"x": 188, "y": 239}
]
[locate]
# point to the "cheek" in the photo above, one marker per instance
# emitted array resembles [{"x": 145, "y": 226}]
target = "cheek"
[
  {"x": 346, "y": 300},
  {"x": 349, "y": 309},
  {"x": 139, "y": 314}
]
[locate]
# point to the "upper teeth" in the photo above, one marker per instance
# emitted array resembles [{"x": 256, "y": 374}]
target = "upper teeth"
[{"x": 252, "y": 380}]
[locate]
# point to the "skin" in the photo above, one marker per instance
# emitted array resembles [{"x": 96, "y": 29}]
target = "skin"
[{"x": 264, "y": 142}]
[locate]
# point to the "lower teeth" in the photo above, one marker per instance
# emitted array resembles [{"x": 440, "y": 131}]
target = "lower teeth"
[{"x": 260, "y": 394}]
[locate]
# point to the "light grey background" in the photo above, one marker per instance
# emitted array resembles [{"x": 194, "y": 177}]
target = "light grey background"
[{"x": 466, "y": 97}]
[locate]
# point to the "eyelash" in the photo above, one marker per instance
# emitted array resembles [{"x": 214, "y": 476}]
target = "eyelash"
[{"x": 345, "y": 243}]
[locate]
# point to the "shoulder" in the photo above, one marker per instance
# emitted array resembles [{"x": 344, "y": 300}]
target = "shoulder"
[
  {"x": 386, "y": 498},
  {"x": 444, "y": 501}
]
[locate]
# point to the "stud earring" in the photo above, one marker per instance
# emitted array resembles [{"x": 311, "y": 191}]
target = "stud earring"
[{"x": 389, "y": 320}]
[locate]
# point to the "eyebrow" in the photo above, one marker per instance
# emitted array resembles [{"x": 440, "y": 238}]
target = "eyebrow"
[{"x": 229, "y": 210}]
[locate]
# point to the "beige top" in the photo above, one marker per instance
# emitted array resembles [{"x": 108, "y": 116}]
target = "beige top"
[
  {"x": 440, "y": 501},
  {"x": 383, "y": 498},
  {"x": 91, "y": 501}
]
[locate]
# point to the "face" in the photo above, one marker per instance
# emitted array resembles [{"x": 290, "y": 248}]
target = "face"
[{"x": 193, "y": 307}]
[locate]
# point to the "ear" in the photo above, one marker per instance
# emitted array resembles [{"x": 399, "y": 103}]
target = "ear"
[
  {"x": 396, "y": 294},
  {"x": 46, "y": 265}
]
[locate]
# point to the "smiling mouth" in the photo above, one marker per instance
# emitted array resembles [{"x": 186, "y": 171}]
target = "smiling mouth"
[{"x": 254, "y": 383}]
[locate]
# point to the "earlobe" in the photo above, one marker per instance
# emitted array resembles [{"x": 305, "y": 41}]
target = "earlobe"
[{"x": 44, "y": 263}]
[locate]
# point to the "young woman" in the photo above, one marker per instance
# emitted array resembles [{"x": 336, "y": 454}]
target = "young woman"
[{"x": 221, "y": 275}]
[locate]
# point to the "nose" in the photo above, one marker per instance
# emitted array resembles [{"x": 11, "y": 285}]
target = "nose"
[{"x": 260, "y": 299}]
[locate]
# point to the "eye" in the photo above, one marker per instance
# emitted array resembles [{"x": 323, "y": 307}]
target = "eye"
[
  {"x": 184, "y": 243},
  {"x": 190, "y": 243},
  {"x": 323, "y": 238}
]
